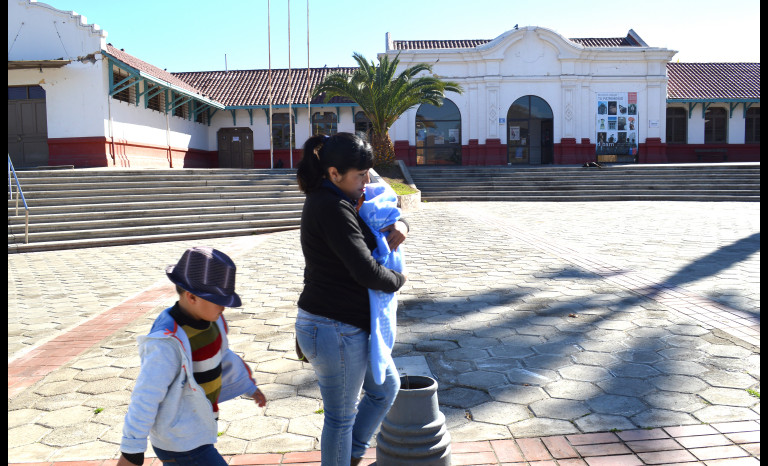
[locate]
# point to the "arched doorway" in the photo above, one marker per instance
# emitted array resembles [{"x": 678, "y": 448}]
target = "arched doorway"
[
  {"x": 529, "y": 131},
  {"x": 438, "y": 134}
]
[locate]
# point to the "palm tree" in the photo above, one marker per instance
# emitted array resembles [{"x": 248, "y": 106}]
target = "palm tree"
[{"x": 384, "y": 97}]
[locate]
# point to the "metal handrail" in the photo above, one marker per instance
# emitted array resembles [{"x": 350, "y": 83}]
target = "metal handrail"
[{"x": 12, "y": 171}]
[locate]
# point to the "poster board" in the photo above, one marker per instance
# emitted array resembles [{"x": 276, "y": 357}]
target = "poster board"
[{"x": 617, "y": 126}]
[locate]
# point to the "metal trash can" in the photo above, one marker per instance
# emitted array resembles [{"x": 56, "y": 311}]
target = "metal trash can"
[{"x": 414, "y": 432}]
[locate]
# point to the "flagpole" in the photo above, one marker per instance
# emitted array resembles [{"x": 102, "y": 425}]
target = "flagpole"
[
  {"x": 269, "y": 82},
  {"x": 290, "y": 97},
  {"x": 309, "y": 112}
]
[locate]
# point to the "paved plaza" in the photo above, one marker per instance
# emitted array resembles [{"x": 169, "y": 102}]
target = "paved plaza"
[{"x": 539, "y": 321}]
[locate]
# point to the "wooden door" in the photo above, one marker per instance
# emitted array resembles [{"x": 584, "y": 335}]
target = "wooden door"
[
  {"x": 27, "y": 127},
  {"x": 235, "y": 146}
]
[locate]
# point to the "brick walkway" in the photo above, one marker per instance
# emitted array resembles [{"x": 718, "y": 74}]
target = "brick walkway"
[
  {"x": 49, "y": 381},
  {"x": 727, "y": 444}
]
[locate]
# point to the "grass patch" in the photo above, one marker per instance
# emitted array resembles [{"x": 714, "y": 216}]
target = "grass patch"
[
  {"x": 394, "y": 177},
  {"x": 400, "y": 188},
  {"x": 754, "y": 393}
]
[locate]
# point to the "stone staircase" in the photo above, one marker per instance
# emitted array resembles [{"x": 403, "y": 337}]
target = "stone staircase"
[
  {"x": 81, "y": 208},
  {"x": 667, "y": 182}
]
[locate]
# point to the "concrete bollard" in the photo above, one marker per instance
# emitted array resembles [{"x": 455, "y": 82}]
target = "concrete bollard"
[{"x": 414, "y": 432}]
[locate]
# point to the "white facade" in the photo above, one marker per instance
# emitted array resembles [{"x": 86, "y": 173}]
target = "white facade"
[
  {"x": 78, "y": 104},
  {"x": 538, "y": 61},
  {"x": 71, "y": 61}
]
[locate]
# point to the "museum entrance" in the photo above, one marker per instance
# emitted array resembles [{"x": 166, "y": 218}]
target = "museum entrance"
[{"x": 529, "y": 132}]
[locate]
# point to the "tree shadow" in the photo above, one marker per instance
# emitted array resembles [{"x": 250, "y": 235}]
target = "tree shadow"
[
  {"x": 711, "y": 265},
  {"x": 546, "y": 335}
]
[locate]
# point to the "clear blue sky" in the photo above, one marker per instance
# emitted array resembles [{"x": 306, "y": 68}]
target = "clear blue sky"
[{"x": 194, "y": 35}]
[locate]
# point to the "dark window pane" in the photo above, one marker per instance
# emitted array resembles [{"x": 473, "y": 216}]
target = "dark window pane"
[
  {"x": 324, "y": 123},
  {"x": 438, "y": 134},
  {"x": 36, "y": 92},
  {"x": 715, "y": 126},
  {"x": 125, "y": 94},
  {"x": 520, "y": 109},
  {"x": 752, "y": 129},
  {"x": 540, "y": 108},
  {"x": 677, "y": 121},
  {"x": 17, "y": 93},
  {"x": 281, "y": 132},
  {"x": 447, "y": 111}
]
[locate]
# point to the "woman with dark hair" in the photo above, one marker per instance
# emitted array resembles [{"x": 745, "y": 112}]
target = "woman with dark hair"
[{"x": 333, "y": 323}]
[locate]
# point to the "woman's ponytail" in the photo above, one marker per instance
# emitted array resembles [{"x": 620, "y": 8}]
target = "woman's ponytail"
[
  {"x": 310, "y": 171},
  {"x": 342, "y": 150}
]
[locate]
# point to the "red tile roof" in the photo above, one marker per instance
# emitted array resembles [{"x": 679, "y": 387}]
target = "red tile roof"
[
  {"x": 713, "y": 80},
  {"x": 627, "y": 41},
  {"x": 607, "y": 42},
  {"x": 437, "y": 44},
  {"x": 152, "y": 70},
  {"x": 251, "y": 87}
]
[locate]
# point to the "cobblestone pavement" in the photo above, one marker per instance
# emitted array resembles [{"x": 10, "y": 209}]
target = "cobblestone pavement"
[{"x": 537, "y": 319}]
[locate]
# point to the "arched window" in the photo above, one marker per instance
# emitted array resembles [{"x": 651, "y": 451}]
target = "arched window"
[
  {"x": 324, "y": 123},
  {"x": 530, "y": 131},
  {"x": 752, "y": 129},
  {"x": 715, "y": 126},
  {"x": 281, "y": 132},
  {"x": 677, "y": 125},
  {"x": 438, "y": 134},
  {"x": 363, "y": 124}
]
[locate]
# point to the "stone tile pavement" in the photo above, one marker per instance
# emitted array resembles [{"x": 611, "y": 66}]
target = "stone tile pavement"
[{"x": 542, "y": 322}]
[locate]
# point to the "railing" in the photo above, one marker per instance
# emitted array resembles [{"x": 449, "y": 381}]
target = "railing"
[{"x": 12, "y": 171}]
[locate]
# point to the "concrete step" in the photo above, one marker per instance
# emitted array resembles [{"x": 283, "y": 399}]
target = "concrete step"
[
  {"x": 733, "y": 181},
  {"x": 154, "y": 172},
  {"x": 145, "y": 198},
  {"x": 157, "y": 220},
  {"x": 189, "y": 227},
  {"x": 85, "y": 208},
  {"x": 66, "y": 207},
  {"x": 68, "y": 191},
  {"x": 19, "y": 245},
  {"x": 47, "y": 185},
  {"x": 560, "y": 197},
  {"x": 38, "y": 216},
  {"x": 582, "y": 184}
]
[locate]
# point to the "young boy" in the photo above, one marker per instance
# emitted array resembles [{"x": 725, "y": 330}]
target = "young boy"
[{"x": 187, "y": 368}]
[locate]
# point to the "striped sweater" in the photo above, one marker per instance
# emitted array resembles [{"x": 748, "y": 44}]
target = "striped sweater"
[{"x": 205, "y": 342}]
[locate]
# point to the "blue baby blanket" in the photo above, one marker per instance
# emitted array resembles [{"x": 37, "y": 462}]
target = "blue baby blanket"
[{"x": 379, "y": 210}]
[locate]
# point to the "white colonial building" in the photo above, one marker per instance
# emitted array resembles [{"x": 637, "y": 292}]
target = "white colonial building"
[{"x": 531, "y": 96}]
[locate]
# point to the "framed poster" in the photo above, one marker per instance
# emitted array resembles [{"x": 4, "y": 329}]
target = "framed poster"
[
  {"x": 514, "y": 133},
  {"x": 616, "y": 126},
  {"x": 453, "y": 135}
]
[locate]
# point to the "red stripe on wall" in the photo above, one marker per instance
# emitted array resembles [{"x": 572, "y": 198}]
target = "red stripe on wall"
[{"x": 99, "y": 152}]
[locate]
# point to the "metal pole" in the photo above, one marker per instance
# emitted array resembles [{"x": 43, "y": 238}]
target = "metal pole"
[
  {"x": 269, "y": 79},
  {"x": 290, "y": 97},
  {"x": 309, "y": 112}
]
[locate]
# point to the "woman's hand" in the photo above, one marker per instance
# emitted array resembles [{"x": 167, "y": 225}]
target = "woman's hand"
[{"x": 397, "y": 234}]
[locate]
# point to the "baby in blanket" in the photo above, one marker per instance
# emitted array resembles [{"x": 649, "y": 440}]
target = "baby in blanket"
[{"x": 379, "y": 210}]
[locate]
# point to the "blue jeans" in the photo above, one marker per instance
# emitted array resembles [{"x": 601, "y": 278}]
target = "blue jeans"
[
  {"x": 205, "y": 455},
  {"x": 338, "y": 353}
]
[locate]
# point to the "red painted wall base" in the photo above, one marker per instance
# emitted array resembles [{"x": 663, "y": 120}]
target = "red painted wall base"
[
  {"x": 101, "y": 152},
  {"x": 570, "y": 152}
]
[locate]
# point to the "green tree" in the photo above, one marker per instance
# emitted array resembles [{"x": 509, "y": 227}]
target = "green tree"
[{"x": 383, "y": 97}]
